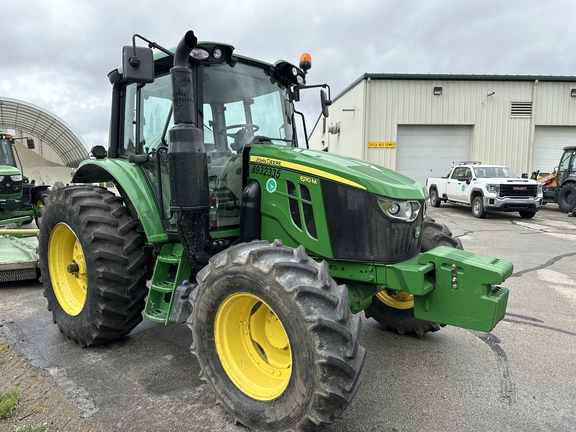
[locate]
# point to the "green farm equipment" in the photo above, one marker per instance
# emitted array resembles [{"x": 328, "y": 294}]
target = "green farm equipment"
[
  {"x": 17, "y": 251},
  {"x": 19, "y": 198},
  {"x": 268, "y": 250},
  {"x": 560, "y": 185}
]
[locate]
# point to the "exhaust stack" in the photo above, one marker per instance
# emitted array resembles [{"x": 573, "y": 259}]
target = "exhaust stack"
[{"x": 187, "y": 157}]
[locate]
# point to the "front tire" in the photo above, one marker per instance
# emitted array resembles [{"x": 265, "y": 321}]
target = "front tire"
[
  {"x": 478, "y": 207},
  {"x": 92, "y": 264},
  {"x": 394, "y": 310},
  {"x": 275, "y": 337},
  {"x": 527, "y": 214},
  {"x": 39, "y": 203},
  {"x": 567, "y": 198}
]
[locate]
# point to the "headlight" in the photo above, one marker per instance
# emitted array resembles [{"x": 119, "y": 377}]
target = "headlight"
[
  {"x": 403, "y": 210},
  {"x": 493, "y": 188},
  {"x": 16, "y": 177},
  {"x": 538, "y": 189},
  {"x": 393, "y": 208},
  {"x": 199, "y": 53},
  {"x": 1, "y": 178}
]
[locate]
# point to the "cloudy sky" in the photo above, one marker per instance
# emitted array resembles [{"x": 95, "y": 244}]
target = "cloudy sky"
[{"x": 56, "y": 54}]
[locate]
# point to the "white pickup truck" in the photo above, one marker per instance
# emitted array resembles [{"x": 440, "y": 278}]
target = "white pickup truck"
[{"x": 486, "y": 188}]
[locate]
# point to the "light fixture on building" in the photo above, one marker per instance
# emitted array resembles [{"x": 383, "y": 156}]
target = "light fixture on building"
[
  {"x": 334, "y": 128},
  {"x": 573, "y": 92},
  {"x": 437, "y": 91},
  {"x": 492, "y": 93}
]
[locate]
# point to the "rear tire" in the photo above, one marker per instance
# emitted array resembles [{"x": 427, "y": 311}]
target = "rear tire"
[
  {"x": 275, "y": 337},
  {"x": 395, "y": 310},
  {"x": 478, "y": 207},
  {"x": 92, "y": 264},
  {"x": 567, "y": 197},
  {"x": 434, "y": 198}
]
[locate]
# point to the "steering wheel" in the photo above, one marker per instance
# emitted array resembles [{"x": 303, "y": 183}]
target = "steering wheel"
[{"x": 246, "y": 126}]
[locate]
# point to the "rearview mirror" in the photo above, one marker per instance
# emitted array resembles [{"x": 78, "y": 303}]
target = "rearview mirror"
[
  {"x": 137, "y": 64},
  {"x": 325, "y": 103},
  {"x": 30, "y": 143}
]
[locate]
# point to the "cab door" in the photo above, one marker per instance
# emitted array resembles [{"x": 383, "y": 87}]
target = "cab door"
[{"x": 458, "y": 184}]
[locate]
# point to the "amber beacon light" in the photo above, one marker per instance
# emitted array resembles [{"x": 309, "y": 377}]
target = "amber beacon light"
[{"x": 305, "y": 62}]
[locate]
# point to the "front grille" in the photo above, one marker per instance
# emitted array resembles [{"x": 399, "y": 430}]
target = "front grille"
[
  {"x": 518, "y": 190},
  {"x": 359, "y": 231},
  {"x": 9, "y": 186}
]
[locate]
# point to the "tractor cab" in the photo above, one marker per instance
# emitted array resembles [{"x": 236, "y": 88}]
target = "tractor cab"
[
  {"x": 6, "y": 151},
  {"x": 239, "y": 102},
  {"x": 10, "y": 175},
  {"x": 567, "y": 166}
]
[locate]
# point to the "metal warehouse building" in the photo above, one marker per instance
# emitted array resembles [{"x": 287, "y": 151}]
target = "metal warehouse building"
[{"x": 419, "y": 125}]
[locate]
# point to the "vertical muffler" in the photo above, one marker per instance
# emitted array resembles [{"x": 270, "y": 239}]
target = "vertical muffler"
[{"x": 187, "y": 157}]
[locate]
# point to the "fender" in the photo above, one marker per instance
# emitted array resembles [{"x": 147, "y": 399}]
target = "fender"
[
  {"x": 477, "y": 190},
  {"x": 130, "y": 179}
]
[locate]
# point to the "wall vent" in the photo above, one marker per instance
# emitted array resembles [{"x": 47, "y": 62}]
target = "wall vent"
[{"x": 521, "y": 109}]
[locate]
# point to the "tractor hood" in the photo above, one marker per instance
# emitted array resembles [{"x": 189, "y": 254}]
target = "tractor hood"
[
  {"x": 353, "y": 172},
  {"x": 9, "y": 170}
]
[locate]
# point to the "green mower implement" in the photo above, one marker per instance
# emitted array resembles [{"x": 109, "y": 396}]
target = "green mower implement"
[
  {"x": 17, "y": 252},
  {"x": 224, "y": 219}
]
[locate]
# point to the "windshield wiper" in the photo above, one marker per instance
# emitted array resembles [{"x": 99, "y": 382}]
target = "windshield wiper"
[{"x": 261, "y": 139}]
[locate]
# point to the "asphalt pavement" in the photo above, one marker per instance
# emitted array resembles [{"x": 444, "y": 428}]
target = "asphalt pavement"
[{"x": 519, "y": 377}]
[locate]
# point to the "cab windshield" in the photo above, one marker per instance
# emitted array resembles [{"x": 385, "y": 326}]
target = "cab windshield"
[
  {"x": 495, "y": 171},
  {"x": 6, "y": 153}
]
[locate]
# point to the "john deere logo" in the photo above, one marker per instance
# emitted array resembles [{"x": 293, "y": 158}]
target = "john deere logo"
[{"x": 271, "y": 185}]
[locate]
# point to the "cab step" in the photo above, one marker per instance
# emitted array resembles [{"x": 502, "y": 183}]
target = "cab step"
[{"x": 171, "y": 269}]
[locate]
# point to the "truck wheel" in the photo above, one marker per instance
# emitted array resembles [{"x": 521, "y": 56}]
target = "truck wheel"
[
  {"x": 478, "y": 207},
  {"x": 567, "y": 197},
  {"x": 395, "y": 309},
  {"x": 434, "y": 198},
  {"x": 527, "y": 214},
  {"x": 92, "y": 264},
  {"x": 275, "y": 338}
]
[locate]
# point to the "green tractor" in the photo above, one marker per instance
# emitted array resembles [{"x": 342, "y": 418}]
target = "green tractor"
[
  {"x": 268, "y": 250},
  {"x": 20, "y": 199}
]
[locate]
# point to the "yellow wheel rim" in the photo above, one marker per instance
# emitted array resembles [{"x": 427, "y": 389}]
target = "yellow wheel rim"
[
  {"x": 253, "y": 346},
  {"x": 396, "y": 300},
  {"x": 67, "y": 269}
]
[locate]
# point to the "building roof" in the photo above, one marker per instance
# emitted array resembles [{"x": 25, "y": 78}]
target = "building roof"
[
  {"x": 457, "y": 77},
  {"x": 53, "y": 131}
]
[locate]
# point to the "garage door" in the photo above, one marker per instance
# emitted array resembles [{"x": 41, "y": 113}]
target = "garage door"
[
  {"x": 430, "y": 151},
  {"x": 548, "y": 144}
]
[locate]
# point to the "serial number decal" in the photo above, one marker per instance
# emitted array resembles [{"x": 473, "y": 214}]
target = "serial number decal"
[
  {"x": 266, "y": 171},
  {"x": 304, "y": 169}
]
